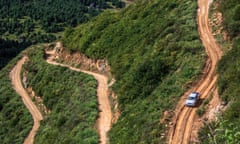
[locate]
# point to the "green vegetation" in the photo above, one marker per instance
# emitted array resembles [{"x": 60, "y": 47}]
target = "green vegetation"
[
  {"x": 155, "y": 53},
  {"x": 221, "y": 131},
  {"x": 21, "y": 16},
  {"x": 229, "y": 89},
  {"x": 24, "y": 22},
  {"x": 71, "y": 98},
  {"x": 227, "y": 129},
  {"x": 8, "y": 50},
  {"x": 231, "y": 18},
  {"x": 201, "y": 110},
  {"x": 15, "y": 120}
]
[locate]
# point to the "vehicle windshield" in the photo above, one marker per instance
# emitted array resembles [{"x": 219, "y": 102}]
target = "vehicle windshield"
[{"x": 190, "y": 98}]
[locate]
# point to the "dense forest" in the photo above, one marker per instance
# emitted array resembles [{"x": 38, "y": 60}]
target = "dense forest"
[
  {"x": 18, "y": 16},
  {"x": 9, "y": 48},
  {"x": 25, "y": 22},
  {"x": 155, "y": 54},
  {"x": 69, "y": 95},
  {"x": 227, "y": 129}
]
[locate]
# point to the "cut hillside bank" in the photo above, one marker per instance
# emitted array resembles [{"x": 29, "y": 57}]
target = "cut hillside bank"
[
  {"x": 226, "y": 129},
  {"x": 71, "y": 97},
  {"x": 155, "y": 54},
  {"x": 105, "y": 114}
]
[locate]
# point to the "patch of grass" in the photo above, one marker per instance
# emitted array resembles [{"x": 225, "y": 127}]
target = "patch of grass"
[{"x": 201, "y": 111}]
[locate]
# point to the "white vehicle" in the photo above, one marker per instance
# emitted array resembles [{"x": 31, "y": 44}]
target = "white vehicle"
[{"x": 192, "y": 99}]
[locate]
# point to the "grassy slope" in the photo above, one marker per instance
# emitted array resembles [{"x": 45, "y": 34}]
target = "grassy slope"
[
  {"x": 71, "y": 98},
  {"x": 154, "y": 52},
  {"x": 228, "y": 129},
  {"x": 16, "y": 35},
  {"x": 15, "y": 120}
]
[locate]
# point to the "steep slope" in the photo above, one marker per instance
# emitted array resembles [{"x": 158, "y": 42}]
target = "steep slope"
[
  {"x": 182, "y": 129},
  {"x": 70, "y": 96},
  {"x": 155, "y": 54},
  {"x": 16, "y": 121},
  {"x": 226, "y": 129},
  {"x": 17, "y": 84},
  {"x": 105, "y": 113}
]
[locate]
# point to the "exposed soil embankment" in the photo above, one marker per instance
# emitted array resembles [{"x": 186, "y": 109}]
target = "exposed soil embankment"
[
  {"x": 105, "y": 113},
  {"x": 76, "y": 59}
]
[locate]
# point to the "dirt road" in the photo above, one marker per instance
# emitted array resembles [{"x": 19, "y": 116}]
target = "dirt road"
[
  {"x": 105, "y": 114},
  {"x": 17, "y": 84},
  {"x": 180, "y": 132}
]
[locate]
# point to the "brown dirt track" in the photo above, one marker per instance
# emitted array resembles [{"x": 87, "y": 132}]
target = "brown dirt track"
[
  {"x": 105, "y": 114},
  {"x": 17, "y": 85},
  {"x": 184, "y": 118}
]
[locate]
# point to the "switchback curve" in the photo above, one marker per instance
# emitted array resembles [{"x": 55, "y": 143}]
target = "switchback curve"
[
  {"x": 105, "y": 114},
  {"x": 184, "y": 117},
  {"x": 17, "y": 85}
]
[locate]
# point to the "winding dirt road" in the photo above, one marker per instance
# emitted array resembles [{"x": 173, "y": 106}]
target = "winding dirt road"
[
  {"x": 17, "y": 85},
  {"x": 184, "y": 118},
  {"x": 105, "y": 114},
  {"x": 180, "y": 133}
]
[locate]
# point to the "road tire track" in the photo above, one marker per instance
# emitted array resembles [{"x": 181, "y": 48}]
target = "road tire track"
[{"x": 184, "y": 118}]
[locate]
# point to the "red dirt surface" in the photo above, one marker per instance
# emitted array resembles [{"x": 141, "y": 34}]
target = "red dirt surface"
[{"x": 180, "y": 132}]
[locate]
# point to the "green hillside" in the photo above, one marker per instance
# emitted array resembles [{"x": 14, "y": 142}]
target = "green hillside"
[
  {"x": 15, "y": 120},
  {"x": 69, "y": 95},
  {"x": 25, "y": 22},
  {"x": 155, "y": 54},
  {"x": 227, "y": 130}
]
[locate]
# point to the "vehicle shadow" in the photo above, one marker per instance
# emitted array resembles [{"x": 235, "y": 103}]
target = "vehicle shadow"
[{"x": 199, "y": 102}]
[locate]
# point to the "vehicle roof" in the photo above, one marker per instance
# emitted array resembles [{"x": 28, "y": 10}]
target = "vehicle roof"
[{"x": 193, "y": 94}]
